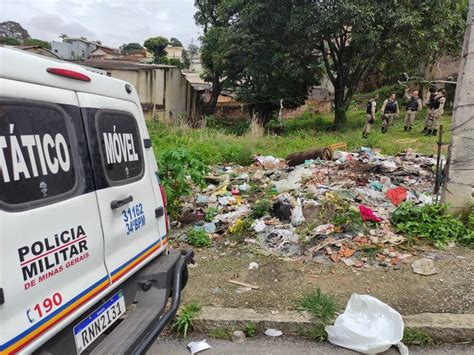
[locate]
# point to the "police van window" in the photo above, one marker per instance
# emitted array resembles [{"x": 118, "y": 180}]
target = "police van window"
[
  {"x": 120, "y": 146},
  {"x": 36, "y": 160}
]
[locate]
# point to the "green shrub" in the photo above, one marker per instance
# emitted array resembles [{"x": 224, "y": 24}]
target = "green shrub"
[
  {"x": 179, "y": 168},
  {"x": 198, "y": 238},
  {"x": 185, "y": 319},
  {"x": 431, "y": 222}
]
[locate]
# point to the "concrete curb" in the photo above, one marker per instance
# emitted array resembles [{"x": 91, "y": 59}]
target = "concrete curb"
[{"x": 442, "y": 327}]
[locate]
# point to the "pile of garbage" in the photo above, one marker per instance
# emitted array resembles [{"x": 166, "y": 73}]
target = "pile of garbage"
[{"x": 330, "y": 211}]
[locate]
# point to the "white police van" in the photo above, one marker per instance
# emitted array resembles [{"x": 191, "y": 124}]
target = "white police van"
[{"x": 83, "y": 226}]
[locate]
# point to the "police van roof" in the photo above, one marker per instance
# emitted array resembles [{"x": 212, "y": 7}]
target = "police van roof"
[{"x": 24, "y": 66}]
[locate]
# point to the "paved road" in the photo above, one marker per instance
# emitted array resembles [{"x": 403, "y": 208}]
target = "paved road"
[{"x": 285, "y": 346}]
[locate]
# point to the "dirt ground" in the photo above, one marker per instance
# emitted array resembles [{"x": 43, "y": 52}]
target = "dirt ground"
[{"x": 283, "y": 281}]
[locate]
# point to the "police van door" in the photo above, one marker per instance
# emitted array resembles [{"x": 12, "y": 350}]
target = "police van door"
[
  {"x": 115, "y": 131},
  {"x": 51, "y": 243}
]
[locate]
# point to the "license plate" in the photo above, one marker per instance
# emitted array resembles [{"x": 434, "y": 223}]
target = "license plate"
[{"x": 98, "y": 321}]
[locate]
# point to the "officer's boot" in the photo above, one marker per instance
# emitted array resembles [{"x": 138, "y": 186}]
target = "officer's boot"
[
  {"x": 405, "y": 128},
  {"x": 409, "y": 129},
  {"x": 428, "y": 132},
  {"x": 424, "y": 130},
  {"x": 435, "y": 132}
]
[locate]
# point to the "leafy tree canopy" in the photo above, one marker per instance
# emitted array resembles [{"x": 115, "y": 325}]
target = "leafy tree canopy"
[
  {"x": 174, "y": 42},
  {"x": 37, "y": 42},
  {"x": 193, "y": 50},
  {"x": 157, "y": 46},
  {"x": 10, "y": 41},
  {"x": 130, "y": 47}
]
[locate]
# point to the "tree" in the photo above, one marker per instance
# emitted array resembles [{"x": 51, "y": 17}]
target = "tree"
[
  {"x": 214, "y": 48},
  {"x": 174, "y": 42},
  {"x": 37, "y": 42},
  {"x": 269, "y": 57},
  {"x": 176, "y": 62},
  {"x": 193, "y": 50},
  {"x": 186, "y": 59},
  {"x": 10, "y": 41},
  {"x": 215, "y": 17},
  {"x": 353, "y": 36},
  {"x": 157, "y": 46},
  {"x": 130, "y": 47}
]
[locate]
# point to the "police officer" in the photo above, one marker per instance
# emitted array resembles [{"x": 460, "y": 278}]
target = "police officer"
[
  {"x": 370, "y": 115},
  {"x": 389, "y": 111},
  {"x": 414, "y": 105},
  {"x": 429, "y": 106},
  {"x": 436, "y": 113}
]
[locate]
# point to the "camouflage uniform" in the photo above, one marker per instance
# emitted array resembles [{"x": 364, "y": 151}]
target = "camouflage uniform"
[
  {"x": 372, "y": 108},
  {"x": 413, "y": 106},
  {"x": 390, "y": 109},
  {"x": 435, "y": 115}
]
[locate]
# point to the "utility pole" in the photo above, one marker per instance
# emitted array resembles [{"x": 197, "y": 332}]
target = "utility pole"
[{"x": 459, "y": 183}]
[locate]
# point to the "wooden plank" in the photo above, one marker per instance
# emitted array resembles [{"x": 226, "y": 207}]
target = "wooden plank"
[{"x": 243, "y": 284}]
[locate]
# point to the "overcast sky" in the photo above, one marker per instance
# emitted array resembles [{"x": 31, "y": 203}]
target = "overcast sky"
[{"x": 113, "y": 22}]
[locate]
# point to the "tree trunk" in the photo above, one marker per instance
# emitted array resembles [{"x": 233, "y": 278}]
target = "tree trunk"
[
  {"x": 216, "y": 91},
  {"x": 340, "y": 107},
  {"x": 263, "y": 112}
]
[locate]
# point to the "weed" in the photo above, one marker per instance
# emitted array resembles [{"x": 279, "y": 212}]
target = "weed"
[
  {"x": 241, "y": 229},
  {"x": 431, "y": 222},
  {"x": 256, "y": 250},
  {"x": 211, "y": 213},
  {"x": 179, "y": 168},
  {"x": 187, "y": 315},
  {"x": 317, "y": 333},
  {"x": 198, "y": 238},
  {"x": 220, "y": 333},
  {"x": 250, "y": 329},
  {"x": 319, "y": 304},
  {"x": 370, "y": 251},
  {"x": 260, "y": 208},
  {"x": 347, "y": 219},
  {"x": 413, "y": 336}
]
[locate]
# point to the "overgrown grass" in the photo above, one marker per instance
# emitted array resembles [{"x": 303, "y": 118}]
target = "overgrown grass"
[
  {"x": 316, "y": 333},
  {"x": 320, "y": 305},
  {"x": 220, "y": 333},
  {"x": 187, "y": 315},
  {"x": 218, "y": 145}
]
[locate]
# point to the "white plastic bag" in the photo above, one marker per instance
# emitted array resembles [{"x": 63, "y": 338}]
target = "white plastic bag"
[
  {"x": 368, "y": 326},
  {"x": 297, "y": 214}
]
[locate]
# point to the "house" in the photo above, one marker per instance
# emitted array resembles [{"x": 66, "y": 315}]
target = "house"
[
  {"x": 320, "y": 99},
  {"x": 138, "y": 56},
  {"x": 164, "y": 92},
  {"x": 38, "y": 50},
  {"x": 72, "y": 48},
  {"x": 174, "y": 53},
  {"x": 103, "y": 52}
]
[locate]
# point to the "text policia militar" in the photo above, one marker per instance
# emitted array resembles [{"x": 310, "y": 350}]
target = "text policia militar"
[
  {"x": 45, "y": 155},
  {"x": 45, "y": 258}
]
